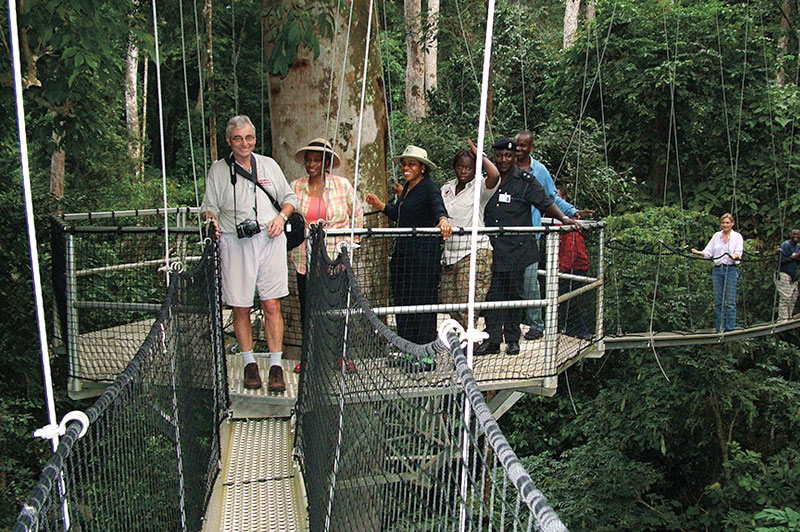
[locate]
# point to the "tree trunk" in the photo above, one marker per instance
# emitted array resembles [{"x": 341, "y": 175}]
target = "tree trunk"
[
  {"x": 432, "y": 45},
  {"x": 415, "y": 61},
  {"x": 571, "y": 12},
  {"x": 57, "y": 168},
  {"x": 132, "y": 103},
  {"x": 212, "y": 111},
  {"x": 143, "y": 136},
  {"x": 590, "y": 10},
  {"x": 783, "y": 40},
  {"x": 298, "y": 109},
  {"x": 299, "y": 103}
]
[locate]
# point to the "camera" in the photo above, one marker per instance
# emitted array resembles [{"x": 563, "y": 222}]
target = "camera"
[{"x": 247, "y": 228}]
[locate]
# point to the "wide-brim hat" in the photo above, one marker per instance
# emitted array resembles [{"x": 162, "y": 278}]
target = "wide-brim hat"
[
  {"x": 318, "y": 144},
  {"x": 415, "y": 152}
]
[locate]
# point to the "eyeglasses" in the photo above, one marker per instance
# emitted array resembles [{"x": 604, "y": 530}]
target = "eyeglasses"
[{"x": 238, "y": 138}]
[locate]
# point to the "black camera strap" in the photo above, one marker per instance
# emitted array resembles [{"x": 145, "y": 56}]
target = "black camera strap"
[
  {"x": 252, "y": 177},
  {"x": 237, "y": 168}
]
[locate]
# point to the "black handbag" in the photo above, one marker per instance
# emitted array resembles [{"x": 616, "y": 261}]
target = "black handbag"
[{"x": 295, "y": 228}]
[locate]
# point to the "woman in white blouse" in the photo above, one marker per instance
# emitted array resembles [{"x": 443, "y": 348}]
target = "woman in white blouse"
[{"x": 725, "y": 248}]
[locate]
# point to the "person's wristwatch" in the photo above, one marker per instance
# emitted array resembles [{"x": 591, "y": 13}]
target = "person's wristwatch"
[{"x": 285, "y": 218}]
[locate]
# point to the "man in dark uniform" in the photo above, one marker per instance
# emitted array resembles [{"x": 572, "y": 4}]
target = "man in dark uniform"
[{"x": 510, "y": 206}]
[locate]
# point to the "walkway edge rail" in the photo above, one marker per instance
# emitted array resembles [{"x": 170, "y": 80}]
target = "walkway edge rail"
[{"x": 546, "y": 517}]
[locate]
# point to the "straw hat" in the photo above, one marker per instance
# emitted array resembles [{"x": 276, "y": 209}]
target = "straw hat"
[
  {"x": 318, "y": 144},
  {"x": 415, "y": 152}
]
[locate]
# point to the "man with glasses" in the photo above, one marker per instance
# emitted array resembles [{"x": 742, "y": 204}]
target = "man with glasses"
[{"x": 252, "y": 243}]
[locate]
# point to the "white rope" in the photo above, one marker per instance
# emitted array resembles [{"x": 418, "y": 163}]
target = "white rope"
[
  {"x": 357, "y": 174},
  {"x": 54, "y": 430},
  {"x": 476, "y": 202},
  {"x": 189, "y": 124},
  {"x": 161, "y": 142},
  {"x": 33, "y": 243},
  {"x": 337, "y": 451},
  {"x": 341, "y": 87}
]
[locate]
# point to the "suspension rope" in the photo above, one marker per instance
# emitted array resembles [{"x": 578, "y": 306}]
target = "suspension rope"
[
  {"x": 585, "y": 103},
  {"x": 782, "y": 207},
  {"x": 487, "y": 56},
  {"x": 201, "y": 91},
  {"x": 33, "y": 245},
  {"x": 342, "y": 388},
  {"x": 387, "y": 94},
  {"x": 341, "y": 83},
  {"x": 734, "y": 203},
  {"x": 189, "y": 124},
  {"x": 161, "y": 143},
  {"x": 469, "y": 55}
]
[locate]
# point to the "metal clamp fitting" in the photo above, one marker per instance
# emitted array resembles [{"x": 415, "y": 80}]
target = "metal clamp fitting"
[{"x": 52, "y": 430}]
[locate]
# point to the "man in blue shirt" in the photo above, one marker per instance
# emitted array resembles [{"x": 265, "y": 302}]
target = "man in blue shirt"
[
  {"x": 527, "y": 163},
  {"x": 786, "y": 276}
]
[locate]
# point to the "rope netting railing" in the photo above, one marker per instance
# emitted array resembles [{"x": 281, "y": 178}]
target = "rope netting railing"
[
  {"x": 382, "y": 447},
  {"x": 151, "y": 453}
]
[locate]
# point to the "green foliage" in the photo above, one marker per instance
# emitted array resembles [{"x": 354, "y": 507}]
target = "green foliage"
[
  {"x": 289, "y": 28},
  {"x": 775, "y": 520},
  {"x": 644, "y": 270}
]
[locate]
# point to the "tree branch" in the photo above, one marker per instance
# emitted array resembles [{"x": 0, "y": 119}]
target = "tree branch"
[{"x": 60, "y": 110}]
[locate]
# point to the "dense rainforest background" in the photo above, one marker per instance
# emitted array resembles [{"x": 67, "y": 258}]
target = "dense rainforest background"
[{"x": 659, "y": 114}]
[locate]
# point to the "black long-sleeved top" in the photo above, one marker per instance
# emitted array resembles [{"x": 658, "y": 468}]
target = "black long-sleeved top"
[
  {"x": 510, "y": 206},
  {"x": 422, "y": 206}
]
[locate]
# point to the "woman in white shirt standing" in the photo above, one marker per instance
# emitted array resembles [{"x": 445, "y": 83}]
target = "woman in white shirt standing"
[
  {"x": 725, "y": 248},
  {"x": 458, "y": 196}
]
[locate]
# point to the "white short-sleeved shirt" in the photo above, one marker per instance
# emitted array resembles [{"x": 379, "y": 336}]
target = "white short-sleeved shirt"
[{"x": 459, "y": 209}]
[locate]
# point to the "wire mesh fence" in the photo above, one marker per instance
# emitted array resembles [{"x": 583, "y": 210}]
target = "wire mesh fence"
[
  {"x": 546, "y": 314},
  {"x": 150, "y": 456},
  {"x": 387, "y": 443},
  {"x": 109, "y": 281}
]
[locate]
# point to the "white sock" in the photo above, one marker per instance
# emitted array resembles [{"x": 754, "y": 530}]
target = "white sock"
[
  {"x": 247, "y": 357},
  {"x": 275, "y": 358}
]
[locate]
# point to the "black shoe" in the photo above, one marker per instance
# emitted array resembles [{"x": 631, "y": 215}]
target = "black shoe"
[
  {"x": 426, "y": 363},
  {"x": 512, "y": 348},
  {"x": 487, "y": 348},
  {"x": 533, "y": 334},
  {"x": 400, "y": 360}
]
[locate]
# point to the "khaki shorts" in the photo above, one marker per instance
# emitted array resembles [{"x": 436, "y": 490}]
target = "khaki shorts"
[{"x": 250, "y": 263}]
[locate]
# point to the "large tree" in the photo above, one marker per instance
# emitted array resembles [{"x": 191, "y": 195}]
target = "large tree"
[
  {"x": 316, "y": 90},
  {"x": 415, "y": 61}
]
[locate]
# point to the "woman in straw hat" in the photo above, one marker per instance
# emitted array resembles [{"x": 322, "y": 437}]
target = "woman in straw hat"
[
  {"x": 322, "y": 198},
  {"x": 415, "y": 262}
]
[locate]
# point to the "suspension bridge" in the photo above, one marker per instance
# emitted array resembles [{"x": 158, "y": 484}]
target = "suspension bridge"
[{"x": 379, "y": 448}]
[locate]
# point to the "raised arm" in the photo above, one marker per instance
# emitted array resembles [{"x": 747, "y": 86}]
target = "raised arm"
[{"x": 492, "y": 173}]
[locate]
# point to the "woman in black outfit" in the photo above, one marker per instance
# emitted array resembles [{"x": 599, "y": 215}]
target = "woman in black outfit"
[{"x": 415, "y": 263}]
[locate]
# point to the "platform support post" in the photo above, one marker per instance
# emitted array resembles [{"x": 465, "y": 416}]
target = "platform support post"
[
  {"x": 74, "y": 383},
  {"x": 601, "y": 290},
  {"x": 551, "y": 315}
]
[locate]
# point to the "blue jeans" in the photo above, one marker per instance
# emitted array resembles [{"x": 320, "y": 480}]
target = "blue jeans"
[
  {"x": 725, "y": 279},
  {"x": 530, "y": 283}
]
